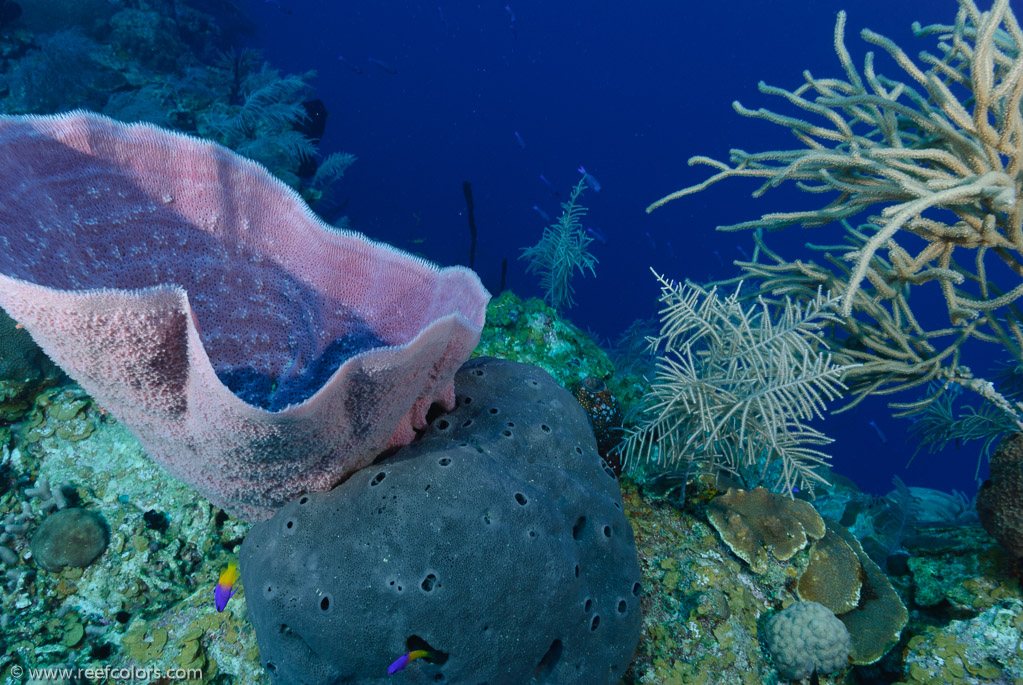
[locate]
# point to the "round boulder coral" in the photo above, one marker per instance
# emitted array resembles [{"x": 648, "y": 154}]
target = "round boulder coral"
[
  {"x": 1000, "y": 499},
  {"x": 806, "y": 637},
  {"x": 69, "y": 537}
]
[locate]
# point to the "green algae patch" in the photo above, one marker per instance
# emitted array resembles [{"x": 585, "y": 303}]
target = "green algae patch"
[
  {"x": 529, "y": 331},
  {"x": 74, "y": 635}
]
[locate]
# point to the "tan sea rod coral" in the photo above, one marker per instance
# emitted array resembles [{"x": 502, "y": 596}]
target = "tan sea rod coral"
[{"x": 936, "y": 157}]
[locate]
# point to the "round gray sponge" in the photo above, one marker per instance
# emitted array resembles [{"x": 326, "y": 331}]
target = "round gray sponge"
[
  {"x": 497, "y": 542},
  {"x": 806, "y": 637}
]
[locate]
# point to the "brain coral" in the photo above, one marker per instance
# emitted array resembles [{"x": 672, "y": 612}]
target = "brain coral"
[
  {"x": 497, "y": 542},
  {"x": 806, "y": 637}
]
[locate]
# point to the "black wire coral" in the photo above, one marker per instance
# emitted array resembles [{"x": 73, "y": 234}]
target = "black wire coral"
[{"x": 562, "y": 250}]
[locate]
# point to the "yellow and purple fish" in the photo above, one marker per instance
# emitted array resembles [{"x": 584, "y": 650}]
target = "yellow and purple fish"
[
  {"x": 402, "y": 661},
  {"x": 225, "y": 586}
]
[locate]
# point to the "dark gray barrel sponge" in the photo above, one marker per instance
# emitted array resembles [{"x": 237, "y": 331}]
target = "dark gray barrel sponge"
[{"x": 498, "y": 539}]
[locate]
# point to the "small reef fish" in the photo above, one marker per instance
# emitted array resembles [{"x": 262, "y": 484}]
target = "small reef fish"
[
  {"x": 278, "y": 5},
  {"x": 382, "y": 65},
  {"x": 597, "y": 235},
  {"x": 351, "y": 65},
  {"x": 550, "y": 186},
  {"x": 880, "y": 435},
  {"x": 590, "y": 181},
  {"x": 405, "y": 659},
  {"x": 545, "y": 215},
  {"x": 226, "y": 586},
  {"x": 522, "y": 143}
]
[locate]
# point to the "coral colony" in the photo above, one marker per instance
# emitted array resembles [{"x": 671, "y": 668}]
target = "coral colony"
[{"x": 240, "y": 444}]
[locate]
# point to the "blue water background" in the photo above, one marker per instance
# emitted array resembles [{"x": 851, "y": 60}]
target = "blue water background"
[{"x": 630, "y": 91}]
